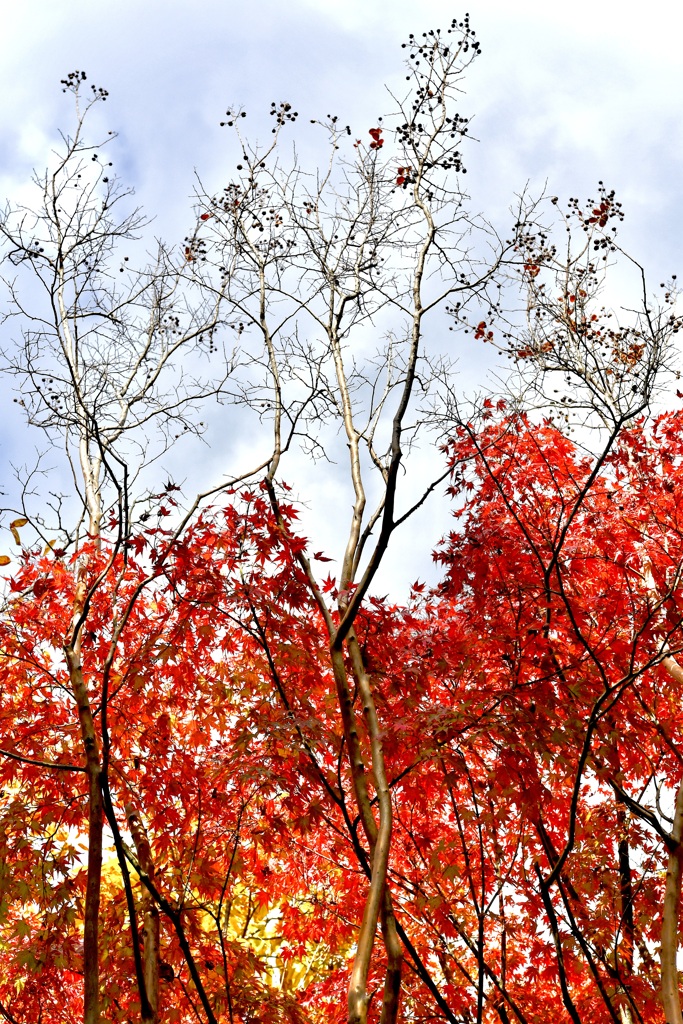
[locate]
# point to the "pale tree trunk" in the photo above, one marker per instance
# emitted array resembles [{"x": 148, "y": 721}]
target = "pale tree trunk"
[
  {"x": 671, "y": 999},
  {"x": 72, "y": 651},
  {"x": 357, "y": 994},
  {"x": 381, "y": 849},
  {"x": 91, "y": 747},
  {"x": 90, "y": 470},
  {"x": 150, "y": 926},
  {"x": 378, "y": 906},
  {"x": 394, "y": 951}
]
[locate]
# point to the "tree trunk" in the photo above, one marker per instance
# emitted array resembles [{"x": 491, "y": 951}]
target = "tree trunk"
[
  {"x": 394, "y": 950},
  {"x": 91, "y": 984},
  {"x": 150, "y": 926},
  {"x": 93, "y": 767},
  {"x": 671, "y": 1000},
  {"x": 378, "y": 901}
]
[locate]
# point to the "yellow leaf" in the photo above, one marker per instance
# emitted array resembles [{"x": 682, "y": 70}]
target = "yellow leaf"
[
  {"x": 15, "y": 531},
  {"x": 5, "y": 560}
]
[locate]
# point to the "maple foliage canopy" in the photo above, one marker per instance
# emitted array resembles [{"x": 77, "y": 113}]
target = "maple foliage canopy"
[{"x": 532, "y": 737}]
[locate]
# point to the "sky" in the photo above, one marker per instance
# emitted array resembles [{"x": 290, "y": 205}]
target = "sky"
[
  {"x": 563, "y": 96},
  {"x": 568, "y": 94}
]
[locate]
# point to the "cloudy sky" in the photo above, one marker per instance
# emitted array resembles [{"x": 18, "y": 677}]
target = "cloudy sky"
[{"x": 567, "y": 94}]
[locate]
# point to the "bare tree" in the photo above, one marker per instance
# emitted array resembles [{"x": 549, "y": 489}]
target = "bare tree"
[
  {"x": 578, "y": 355},
  {"x": 100, "y": 364},
  {"x": 101, "y": 367},
  {"x": 335, "y": 279}
]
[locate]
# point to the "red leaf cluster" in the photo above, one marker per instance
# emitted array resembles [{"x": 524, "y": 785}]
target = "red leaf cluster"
[{"x": 530, "y": 725}]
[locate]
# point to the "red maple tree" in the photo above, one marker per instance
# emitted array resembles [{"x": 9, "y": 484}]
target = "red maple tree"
[{"x": 530, "y": 710}]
